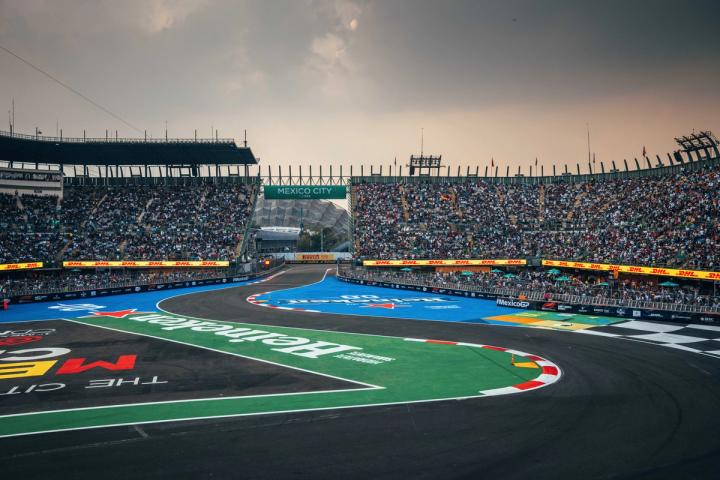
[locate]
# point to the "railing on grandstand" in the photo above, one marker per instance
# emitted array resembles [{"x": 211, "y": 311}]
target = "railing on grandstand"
[
  {"x": 533, "y": 295},
  {"x": 253, "y": 268},
  {"x": 110, "y": 139}
]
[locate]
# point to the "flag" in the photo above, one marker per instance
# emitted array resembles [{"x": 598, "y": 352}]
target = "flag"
[
  {"x": 536, "y": 161},
  {"x": 492, "y": 162},
  {"x": 644, "y": 152},
  {"x": 593, "y": 158}
]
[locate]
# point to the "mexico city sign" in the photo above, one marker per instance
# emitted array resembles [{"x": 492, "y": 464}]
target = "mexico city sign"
[{"x": 305, "y": 192}]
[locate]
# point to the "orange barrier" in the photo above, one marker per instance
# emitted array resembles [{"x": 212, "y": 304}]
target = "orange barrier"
[
  {"x": 20, "y": 266},
  {"x": 665, "y": 272},
  {"x": 424, "y": 263},
  {"x": 145, "y": 263}
]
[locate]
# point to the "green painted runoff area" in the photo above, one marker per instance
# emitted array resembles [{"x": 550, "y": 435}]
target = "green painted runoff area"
[{"x": 391, "y": 369}]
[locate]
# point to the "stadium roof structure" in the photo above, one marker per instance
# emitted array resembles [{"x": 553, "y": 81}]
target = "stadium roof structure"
[
  {"x": 313, "y": 214},
  {"x": 21, "y": 148}
]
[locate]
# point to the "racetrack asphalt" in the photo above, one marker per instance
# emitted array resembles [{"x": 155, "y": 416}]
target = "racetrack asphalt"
[{"x": 621, "y": 410}]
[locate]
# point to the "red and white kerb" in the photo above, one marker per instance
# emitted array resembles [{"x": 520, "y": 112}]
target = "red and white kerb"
[{"x": 549, "y": 372}]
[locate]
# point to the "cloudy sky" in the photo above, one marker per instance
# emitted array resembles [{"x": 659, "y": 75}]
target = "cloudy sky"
[{"x": 331, "y": 82}]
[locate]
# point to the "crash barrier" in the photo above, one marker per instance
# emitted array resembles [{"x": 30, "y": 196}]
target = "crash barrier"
[
  {"x": 506, "y": 297},
  {"x": 125, "y": 289}
]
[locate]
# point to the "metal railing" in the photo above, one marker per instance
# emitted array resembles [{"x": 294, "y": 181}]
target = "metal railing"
[
  {"x": 533, "y": 295},
  {"x": 111, "y": 139}
]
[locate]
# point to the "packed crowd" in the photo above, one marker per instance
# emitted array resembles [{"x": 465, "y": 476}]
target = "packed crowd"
[
  {"x": 29, "y": 228},
  {"x": 585, "y": 286},
  {"x": 51, "y": 282},
  {"x": 665, "y": 220},
  {"x": 140, "y": 223}
]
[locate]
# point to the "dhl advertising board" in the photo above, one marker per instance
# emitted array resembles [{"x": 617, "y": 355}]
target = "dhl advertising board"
[
  {"x": 665, "y": 272},
  {"x": 20, "y": 266},
  {"x": 447, "y": 262},
  {"x": 145, "y": 263}
]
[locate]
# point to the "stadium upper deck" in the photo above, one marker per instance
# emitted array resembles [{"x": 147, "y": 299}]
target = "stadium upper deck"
[
  {"x": 660, "y": 217},
  {"x": 116, "y": 199}
]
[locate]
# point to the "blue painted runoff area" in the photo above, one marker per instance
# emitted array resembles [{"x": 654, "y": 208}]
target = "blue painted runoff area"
[
  {"x": 334, "y": 296},
  {"x": 144, "y": 301}
]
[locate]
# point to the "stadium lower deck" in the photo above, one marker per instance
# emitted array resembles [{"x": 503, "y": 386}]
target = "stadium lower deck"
[{"x": 301, "y": 375}]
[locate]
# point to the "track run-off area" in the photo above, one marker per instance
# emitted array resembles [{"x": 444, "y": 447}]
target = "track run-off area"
[{"x": 264, "y": 380}]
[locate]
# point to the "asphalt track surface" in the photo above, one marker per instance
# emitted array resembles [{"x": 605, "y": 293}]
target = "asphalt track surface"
[{"x": 621, "y": 410}]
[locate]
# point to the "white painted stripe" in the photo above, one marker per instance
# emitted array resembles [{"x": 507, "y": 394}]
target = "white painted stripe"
[
  {"x": 704, "y": 327},
  {"x": 500, "y": 391},
  {"x": 682, "y": 347},
  {"x": 668, "y": 338},
  {"x": 649, "y": 326},
  {"x": 600, "y": 334}
]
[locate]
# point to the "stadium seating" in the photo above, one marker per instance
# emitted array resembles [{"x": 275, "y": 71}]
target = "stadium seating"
[
  {"x": 663, "y": 220},
  {"x": 587, "y": 285},
  {"x": 131, "y": 222}
]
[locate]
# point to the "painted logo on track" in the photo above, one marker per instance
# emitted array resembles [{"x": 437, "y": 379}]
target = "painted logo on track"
[
  {"x": 79, "y": 307},
  {"x": 367, "y": 301}
]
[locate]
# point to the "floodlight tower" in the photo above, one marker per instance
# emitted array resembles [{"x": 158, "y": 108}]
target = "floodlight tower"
[{"x": 697, "y": 143}]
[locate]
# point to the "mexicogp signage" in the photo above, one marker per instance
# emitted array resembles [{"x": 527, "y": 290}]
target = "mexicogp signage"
[{"x": 305, "y": 192}]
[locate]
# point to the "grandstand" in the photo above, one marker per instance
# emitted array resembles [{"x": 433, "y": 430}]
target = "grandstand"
[
  {"x": 98, "y": 200},
  {"x": 607, "y": 218},
  {"x": 136, "y": 200},
  {"x": 617, "y": 235}
]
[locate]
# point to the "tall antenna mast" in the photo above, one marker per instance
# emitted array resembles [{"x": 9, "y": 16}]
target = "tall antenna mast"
[{"x": 588, "y": 140}]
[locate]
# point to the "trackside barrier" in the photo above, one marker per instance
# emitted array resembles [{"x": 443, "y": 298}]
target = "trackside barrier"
[
  {"x": 125, "y": 289},
  {"x": 508, "y": 297}
]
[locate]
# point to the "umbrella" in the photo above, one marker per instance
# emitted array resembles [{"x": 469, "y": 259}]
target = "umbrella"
[
  {"x": 668, "y": 284},
  {"x": 466, "y": 273},
  {"x": 562, "y": 279},
  {"x": 496, "y": 270},
  {"x": 554, "y": 271},
  {"x": 406, "y": 269},
  {"x": 509, "y": 275}
]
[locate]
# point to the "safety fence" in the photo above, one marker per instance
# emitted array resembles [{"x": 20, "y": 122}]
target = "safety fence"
[{"x": 541, "y": 300}]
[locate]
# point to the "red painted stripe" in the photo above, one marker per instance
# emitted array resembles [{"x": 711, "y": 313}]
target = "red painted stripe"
[
  {"x": 534, "y": 358},
  {"x": 550, "y": 370},
  {"x": 529, "y": 385},
  {"x": 441, "y": 342},
  {"x": 499, "y": 349}
]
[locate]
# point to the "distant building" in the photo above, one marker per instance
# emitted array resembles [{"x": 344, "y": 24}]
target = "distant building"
[
  {"x": 276, "y": 239},
  {"x": 309, "y": 214}
]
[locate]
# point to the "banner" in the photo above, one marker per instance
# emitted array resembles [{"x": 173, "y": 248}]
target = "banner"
[
  {"x": 145, "y": 263},
  {"x": 305, "y": 192},
  {"x": 665, "y": 272},
  {"x": 424, "y": 263},
  {"x": 20, "y": 266}
]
